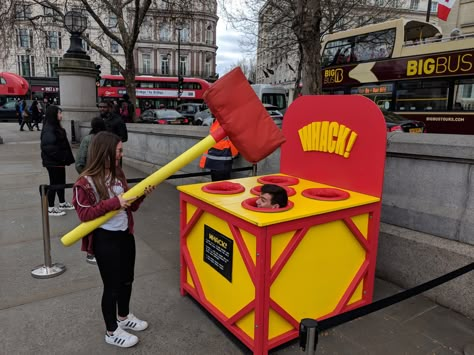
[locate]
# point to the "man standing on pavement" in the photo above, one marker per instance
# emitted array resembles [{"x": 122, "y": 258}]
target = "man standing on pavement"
[
  {"x": 113, "y": 122},
  {"x": 219, "y": 158}
]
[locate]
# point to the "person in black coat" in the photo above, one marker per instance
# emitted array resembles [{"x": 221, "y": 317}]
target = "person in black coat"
[
  {"x": 113, "y": 122},
  {"x": 56, "y": 154},
  {"x": 35, "y": 115}
]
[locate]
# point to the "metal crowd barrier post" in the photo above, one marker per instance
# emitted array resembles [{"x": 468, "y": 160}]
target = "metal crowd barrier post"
[
  {"x": 308, "y": 335},
  {"x": 73, "y": 133},
  {"x": 254, "y": 169},
  {"x": 49, "y": 269}
]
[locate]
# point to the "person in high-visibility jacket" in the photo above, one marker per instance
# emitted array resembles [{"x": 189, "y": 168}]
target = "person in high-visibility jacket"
[{"x": 219, "y": 158}]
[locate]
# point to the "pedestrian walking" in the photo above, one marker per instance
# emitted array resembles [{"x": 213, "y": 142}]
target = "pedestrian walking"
[
  {"x": 56, "y": 154},
  {"x": 18, "y": 111},
  {"x": 25, "y": 116},
  {"x": 35, "y": 114},
  {"x": 97, "y": 125},
  {"x": 113, "y": 122},
  {"x": 126, "y": 109},
  {"x": 99, "y": 190},
  {"x": 219, "y": 158}
]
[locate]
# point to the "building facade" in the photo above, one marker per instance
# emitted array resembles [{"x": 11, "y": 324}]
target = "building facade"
[{"x": 167, "y": 41}]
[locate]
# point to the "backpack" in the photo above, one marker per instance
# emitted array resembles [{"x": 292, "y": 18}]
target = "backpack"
[{"x": 124, "y": 111}]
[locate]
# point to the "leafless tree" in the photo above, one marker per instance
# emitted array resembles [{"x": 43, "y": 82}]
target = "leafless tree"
[
  {"x": 295, "y": 29},
  {"x": 128, "y": 15},
  {"x": 248, "y": 66}
]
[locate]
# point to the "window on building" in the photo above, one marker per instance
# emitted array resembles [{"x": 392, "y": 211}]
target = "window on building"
[
  {"x": 414, "y": 4},
  {"x": 23, "y": 11},
  {"x": 146, "y": 30},
  {"x": 165, "y": 65},
  {"x": 434, "y": 6},
  {"x": 26, "y": 65},
  {"x": 53, "y": 40},
  {"x": 52, "y": 64},
  {"x": 185, "y": 34},
  {"x": 114, "y": 47},
  {"x": 112, "y": 20},
  {"x": 165, "y": 32},
  {"x": 207, "y": 69},
  {"x": 146, "y": 63},
  {"x": 183, "y": 61},
  {"x": 114, "y": 70},
  {"x": 51, "y": 14},
  {"x": 85, "y": 45},
  {"x": 24, "y": 38},
  {"x": 209, "y": 35}
]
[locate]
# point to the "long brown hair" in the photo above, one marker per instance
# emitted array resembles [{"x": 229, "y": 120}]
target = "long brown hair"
[{"x": 101, "y": 156}]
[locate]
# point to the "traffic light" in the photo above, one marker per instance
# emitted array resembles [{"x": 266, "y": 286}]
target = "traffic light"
[
  {"x": 97, "y": 77},
  {"x": 180, "y": 85}
]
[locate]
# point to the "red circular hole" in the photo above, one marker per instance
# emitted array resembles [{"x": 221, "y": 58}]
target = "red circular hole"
[
  {"x": 278, "y": 180},
  {"x": 326, "y": 194},
  {"x": 251, "y": 204},
  {"x": 223, "y": 188},
  {"x": 257, "y": 190}
]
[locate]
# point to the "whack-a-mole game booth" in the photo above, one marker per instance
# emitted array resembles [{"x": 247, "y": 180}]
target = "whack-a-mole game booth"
[{"x": 260, "y": 272}]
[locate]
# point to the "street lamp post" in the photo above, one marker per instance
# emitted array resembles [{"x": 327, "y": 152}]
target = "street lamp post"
[
  {"x": 180, "y": 78},
  {"x": 75, "y": 23}
]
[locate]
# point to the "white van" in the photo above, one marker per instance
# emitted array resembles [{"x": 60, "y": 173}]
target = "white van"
[{"x": 272, "y": 95}]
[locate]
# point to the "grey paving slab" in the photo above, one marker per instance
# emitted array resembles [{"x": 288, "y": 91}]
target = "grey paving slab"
[{"x": 62, "y": 315}]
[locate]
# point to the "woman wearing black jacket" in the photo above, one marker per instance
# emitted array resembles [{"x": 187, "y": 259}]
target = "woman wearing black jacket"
[
  {"x": 56, "y": 154},
  {"x": 36, "y": 115}
]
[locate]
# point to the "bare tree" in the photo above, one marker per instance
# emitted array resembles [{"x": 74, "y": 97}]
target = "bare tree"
[
  {"x": 128, "y": 17},
  {"x": 294, "y": 29},
  {"x": 248, "y": 66}
]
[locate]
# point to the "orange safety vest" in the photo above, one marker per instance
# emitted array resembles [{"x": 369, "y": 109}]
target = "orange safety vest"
[{"x": 224, "y": 145}]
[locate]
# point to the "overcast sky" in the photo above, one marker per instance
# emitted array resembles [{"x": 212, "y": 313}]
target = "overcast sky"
[{"x": 228, "y": 51}]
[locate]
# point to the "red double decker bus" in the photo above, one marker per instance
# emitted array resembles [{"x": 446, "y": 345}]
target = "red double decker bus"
[
  {"x": 405, "y": 66},
  {"x": 156, "y": 90}
]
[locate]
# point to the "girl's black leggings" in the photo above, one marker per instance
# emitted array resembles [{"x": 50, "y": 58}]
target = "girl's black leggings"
[
  {"x": 57, "y": 176},
  {"x": 115, "y": 255}
]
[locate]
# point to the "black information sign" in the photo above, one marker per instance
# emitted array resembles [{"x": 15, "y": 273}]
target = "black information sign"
[{"x": 218, "y": 251}]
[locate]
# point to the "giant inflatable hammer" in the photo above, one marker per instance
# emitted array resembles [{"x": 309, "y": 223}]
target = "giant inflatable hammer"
[{"x": 242, "y": 117}]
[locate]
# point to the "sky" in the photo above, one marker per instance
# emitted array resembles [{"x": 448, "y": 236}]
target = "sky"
[{"x": 229, "y": 51}]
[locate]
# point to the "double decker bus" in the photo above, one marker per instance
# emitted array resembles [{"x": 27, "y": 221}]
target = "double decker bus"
[
  {"x": 156, "y": 90},
  {"x": 408, "y": 67}
]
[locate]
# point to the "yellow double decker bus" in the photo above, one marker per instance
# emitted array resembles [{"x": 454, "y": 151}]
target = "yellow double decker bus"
[{"x": 408, "y": 67}]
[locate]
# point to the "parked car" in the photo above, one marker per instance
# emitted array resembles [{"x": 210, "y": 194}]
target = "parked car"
[
  {"x": 276, "y": 115},
  {"x": 189, "y": 110},
  {"x": 396, "y": 122},
  {"x": 203, "y": 118},
  {"x": 163, "y": 116}
]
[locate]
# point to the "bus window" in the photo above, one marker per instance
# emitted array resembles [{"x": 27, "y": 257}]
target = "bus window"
[
  {"x": 463, "y": 98},
  {"x": 278, "y": 100},
  {"x": 360, "y": 48},
  {"x": 145, "y": 84},
  {"x": 422, "y": 95},
  {"x": 381, "y": 94}
]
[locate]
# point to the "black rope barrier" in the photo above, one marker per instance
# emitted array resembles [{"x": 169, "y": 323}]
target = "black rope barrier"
[
  {"x": 375, "y": 306},
  {"x": 136, "y": 180}
]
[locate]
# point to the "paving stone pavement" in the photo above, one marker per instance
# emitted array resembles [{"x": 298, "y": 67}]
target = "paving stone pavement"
[{"x": 61, "y": 315}]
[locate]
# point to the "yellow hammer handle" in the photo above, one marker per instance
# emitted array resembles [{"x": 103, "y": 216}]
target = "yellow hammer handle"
[{"x": 138, "y": 190}]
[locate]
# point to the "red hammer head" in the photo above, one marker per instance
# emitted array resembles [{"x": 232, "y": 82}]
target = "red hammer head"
[{"x": 242, "y": 116}]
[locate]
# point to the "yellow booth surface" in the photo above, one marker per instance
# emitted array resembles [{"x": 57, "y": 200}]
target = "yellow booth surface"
[{"x": 260, "y": 273}]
